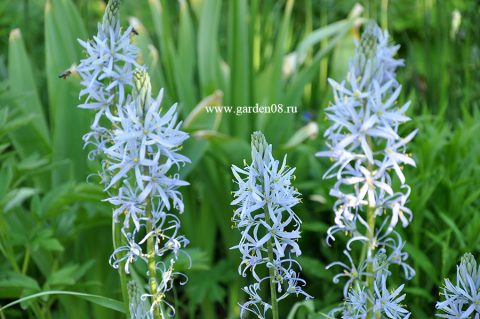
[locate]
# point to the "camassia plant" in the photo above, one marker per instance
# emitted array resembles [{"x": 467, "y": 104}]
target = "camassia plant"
[
  {"x": 139, "y": 150},
  {"x": 269, "y": 227},
  {"x": 368, "y": 154},
  {"x": 462, "y": 299}
]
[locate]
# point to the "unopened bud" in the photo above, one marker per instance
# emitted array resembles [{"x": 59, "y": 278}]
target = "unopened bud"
[
  {"x": 141, "y": 88},
  {"x": 111, "y": 15}
]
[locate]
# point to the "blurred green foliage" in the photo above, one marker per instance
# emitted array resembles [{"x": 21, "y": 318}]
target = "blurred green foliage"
[{"x": 55, "y": 231}]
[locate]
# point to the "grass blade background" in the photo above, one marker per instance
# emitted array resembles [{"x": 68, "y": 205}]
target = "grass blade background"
[
  {"x": 63, "y": 26},
  {"x": 24, "y": 91}
]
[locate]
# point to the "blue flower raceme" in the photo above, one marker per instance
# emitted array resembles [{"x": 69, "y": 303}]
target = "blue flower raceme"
[
  {"x": 368, "y": 154},
  {"x": 107, "y": 71},
  {"x": 138, "y": 144},
  {"x": 462, "y": 299},
  {"x": 269, "y": 227},
  {"x": 138, "y": 166}
]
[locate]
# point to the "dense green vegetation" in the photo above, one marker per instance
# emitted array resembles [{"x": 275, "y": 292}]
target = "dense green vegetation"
[{"x": 55, "y": 231}]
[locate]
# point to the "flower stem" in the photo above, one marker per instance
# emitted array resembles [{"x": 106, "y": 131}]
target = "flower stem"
[
  {"x": 369, "y": 248},
  {"x": 271, "y": 270},
  {"x": 370, "y": 270},
  {"x": 26, "y": 260},
  {"x": 117, "y": 242},
  {"x": 152, "y": 268},
  {"x": 384, "y": 18}
]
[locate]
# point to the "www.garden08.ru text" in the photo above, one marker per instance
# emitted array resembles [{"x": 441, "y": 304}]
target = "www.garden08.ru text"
[{"x": 249, "y": 109}]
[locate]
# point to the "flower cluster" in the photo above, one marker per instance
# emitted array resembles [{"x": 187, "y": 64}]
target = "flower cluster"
[
  {"x": 382, "y": 303},
  {"x": 106, "y": 73},
  {"x": 462, "y": 300},
  {"x": 269, "y": 227},
  {"x": 368, "y": 154},
  {"x": 138, "y": 145},
  {"x": 143, "y": 151}
]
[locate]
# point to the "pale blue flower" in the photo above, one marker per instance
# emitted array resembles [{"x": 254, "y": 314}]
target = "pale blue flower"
[
  {"x": 462, "y": 300},
  {"x": 389, "y": 303},
  {"x": 165, "y": 285},
  {"x": 368, "y": 155},
  {"x": 139, "y": 146},
  {"x": 355, "y": 306},
  {"x": 127, "y": 254},
  {"x": 383, "y": 303},
  {"x": 350, "y": 271},
  {"x": 255, "y": 304},
  {"x": 265, "y": 198}
]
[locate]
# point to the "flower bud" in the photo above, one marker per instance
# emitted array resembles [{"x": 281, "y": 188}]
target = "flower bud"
[
  {"x": 141, "y": 89},
  {"x": 111, "y": 15}
]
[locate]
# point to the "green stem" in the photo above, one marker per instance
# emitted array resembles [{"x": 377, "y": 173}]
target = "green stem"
[
  {"x": 37, "y": 310},
  {"x": 370, "y": 270},
  {"x": 271, "y": 270},
  {"x": 372, "y": 8},
  {"x": 118, "y": 239},
  {"x": 369, "y": 247},
  {"x": 384, "y": 18},
  {"x": 26, "y": 260},
  {"x": 117, "y": 242},
  {"x": 152, "y": 269}
]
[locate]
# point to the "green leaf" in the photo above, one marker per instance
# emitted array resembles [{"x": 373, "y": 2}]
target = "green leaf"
[
  {"x": 314, "y": 268},
  {"x": 307, "y": 304},
  {"x": 239, "y": 53},
  {"x": 207, "y": 46},
  {"x": 198, "y": 259},
  {"x": 420, "y": 292},
  {"x": 16, "y": 197},
  {"x": 161, "y": 18},
  {"x": 6, "y": 178},
  {"x": 99, "y": 300},
  {"x": 309, "y": 131},
  {"x": 51, "y": 244},
  {"x": 11, "y": 279},
  {"x": 205, "y": 285},
  {"x": 68, "y": 275},
  {"x": 33, "y": 138},
  {"x": 422, "y": 261},
  {"x": 451, "y": 224},
  {"x": 317, "y": 227},
  {"x": 32, "y": 162},
  {"x": 186, "y": 62},
  {"x": 63, "y": 26},
  {"x": 320, "y": 34}
]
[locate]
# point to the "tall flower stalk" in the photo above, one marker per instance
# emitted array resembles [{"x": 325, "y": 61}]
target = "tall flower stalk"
[
  {"x": 462, "y": 298},
  {"x": 269, "y": 227},
  {"x": 368, "y": 155},
  {"x": 138, "y": 145}
]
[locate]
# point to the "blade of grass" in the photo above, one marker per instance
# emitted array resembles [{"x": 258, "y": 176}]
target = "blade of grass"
[
  {"x": 185, "y": 64},
  {"x": 62, "y": 28},
  {"x": 207, "y": 46},
  {"x": 161, "y": 20},
  {"x": 239, "y": 53},
  {"x": 99, "y": 300},
  {"x": 22, "y": 84}
]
